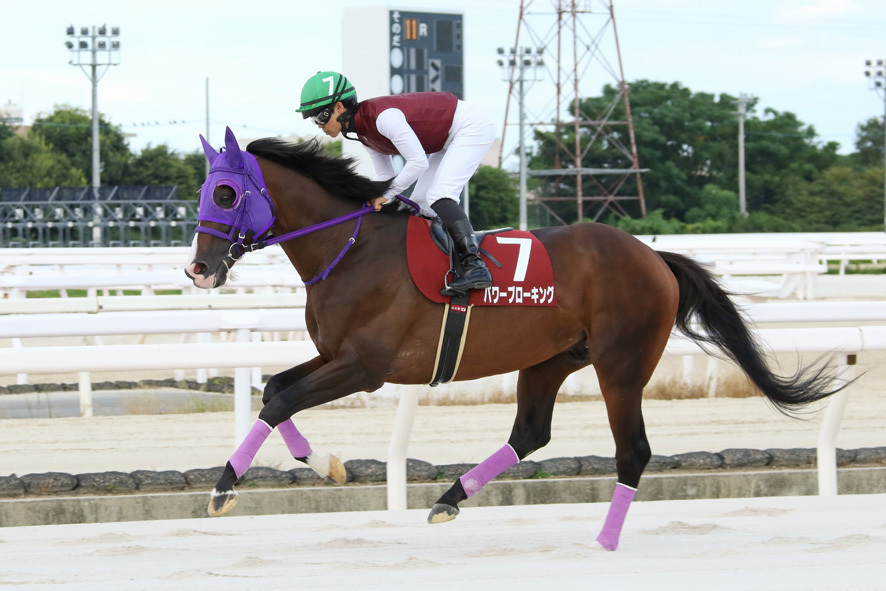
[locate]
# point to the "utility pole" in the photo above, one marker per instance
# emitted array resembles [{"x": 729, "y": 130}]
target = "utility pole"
[
  {"x": 743, "y": 100},
  {"x": 878, "y": 80},
  {"x": 207, "y": 121}
]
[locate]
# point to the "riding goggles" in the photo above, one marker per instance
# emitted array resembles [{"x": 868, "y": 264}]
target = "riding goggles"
[{"x": 322, "y": 118}]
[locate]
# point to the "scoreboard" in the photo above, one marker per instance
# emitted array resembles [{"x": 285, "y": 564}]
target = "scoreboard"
[
  {"x": 426, "y": 52},
  {"x": 389, "y": 51}
]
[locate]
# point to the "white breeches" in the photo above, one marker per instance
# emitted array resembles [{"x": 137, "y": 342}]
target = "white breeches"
[{"x": 450, "y": 169}]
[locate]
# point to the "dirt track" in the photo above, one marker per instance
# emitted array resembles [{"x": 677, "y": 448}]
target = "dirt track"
[{"x": 441, "y": 435}]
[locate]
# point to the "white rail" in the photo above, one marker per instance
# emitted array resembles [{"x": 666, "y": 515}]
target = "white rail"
[
  {"x": 96, "y": 304},
  {"x": 244, "y": 354},
  {"x": 797, "y": 257},
  {"x": 240, "y": 355}
]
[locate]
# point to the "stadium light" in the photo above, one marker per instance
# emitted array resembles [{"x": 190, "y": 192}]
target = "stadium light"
[
  {"x": 522, "y": 62},
  {"x": 91, "y": 49}
]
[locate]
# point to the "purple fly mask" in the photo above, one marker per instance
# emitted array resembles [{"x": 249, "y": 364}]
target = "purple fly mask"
[{"x": 252, "y": 213}]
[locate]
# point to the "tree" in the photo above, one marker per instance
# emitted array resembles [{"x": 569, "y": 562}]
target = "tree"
[
  {"x": 779, "y": 150},
  {"x": 690, "y": 141},
  {"x": 333, "y": 149},
  {"x": 840, "y": 198},
  {"x": 196, "y": 160},
  {"x": 494, "y": 200},
  {"x": 869, "y": 138},
  {"x": 715, "y": 203},
  {"x": 682, "y": 137},
  {"x": 6, "y": 132},
  {"x": 69, "y": 131},
  {"x": 654, "y": 223},
  {"x": 30, "y": 162},
  {"x": 160, "y": 166}
]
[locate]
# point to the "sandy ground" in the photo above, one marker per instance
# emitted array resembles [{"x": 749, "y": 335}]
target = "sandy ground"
[
  {"x": 440, "y": 435},
  {"x": 765, "y": 544}
]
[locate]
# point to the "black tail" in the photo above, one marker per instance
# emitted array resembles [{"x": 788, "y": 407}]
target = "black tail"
[{"x": 719, "y": 323}]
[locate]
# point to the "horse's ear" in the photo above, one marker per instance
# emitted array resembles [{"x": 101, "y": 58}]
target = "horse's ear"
[
  {"x": 210, "y": 152},
  {"x": 235, "y": 158}
]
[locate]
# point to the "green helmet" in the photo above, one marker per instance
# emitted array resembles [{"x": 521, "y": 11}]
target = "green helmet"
[{"x": 324, "y": 89}]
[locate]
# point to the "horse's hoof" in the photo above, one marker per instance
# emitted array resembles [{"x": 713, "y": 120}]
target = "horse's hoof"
[
  {"x": 607, "y": 543},
  {"x": 441, "y": 513},
  {"x": 328, "y": 466},
  {"x": 337, "y": 471},
  {"x": 221, "y": 502}
]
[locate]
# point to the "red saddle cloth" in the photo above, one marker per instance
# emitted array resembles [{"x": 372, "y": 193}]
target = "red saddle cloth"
[{"x": 525, "y": 278}]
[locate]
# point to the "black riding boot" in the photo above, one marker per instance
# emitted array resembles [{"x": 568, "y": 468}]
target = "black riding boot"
[{"x": 475, "y": 274}]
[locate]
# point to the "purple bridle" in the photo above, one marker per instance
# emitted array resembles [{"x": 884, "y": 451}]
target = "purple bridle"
[{"x": 251, "y": 216}]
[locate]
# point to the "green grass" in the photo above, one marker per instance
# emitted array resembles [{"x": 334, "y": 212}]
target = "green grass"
[
  {"x": 858, "y": 268},
  {"x": 81, "y": 293}
]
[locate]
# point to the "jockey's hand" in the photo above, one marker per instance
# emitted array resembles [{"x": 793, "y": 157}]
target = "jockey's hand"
[{"x": 377, "y": 203}]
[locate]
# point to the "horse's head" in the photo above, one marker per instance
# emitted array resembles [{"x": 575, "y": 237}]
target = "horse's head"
[{"x": 235, "y": 211}]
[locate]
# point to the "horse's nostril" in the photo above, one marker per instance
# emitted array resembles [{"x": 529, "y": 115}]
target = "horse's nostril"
[{"x": 199, "y": 268}]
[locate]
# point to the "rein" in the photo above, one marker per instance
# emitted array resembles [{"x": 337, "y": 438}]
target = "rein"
[{"x": 238, "y": 249}]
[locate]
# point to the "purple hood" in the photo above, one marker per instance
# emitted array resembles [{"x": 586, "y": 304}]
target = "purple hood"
[{"x": 253, "y": 211}]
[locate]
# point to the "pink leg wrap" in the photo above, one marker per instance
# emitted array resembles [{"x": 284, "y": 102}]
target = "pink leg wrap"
[
  {"x": 242, "y": 458},
  {"x": 618, "y": 509},
  {"x": 295, "y": 441},
  {"x": 477, "y": 477}
]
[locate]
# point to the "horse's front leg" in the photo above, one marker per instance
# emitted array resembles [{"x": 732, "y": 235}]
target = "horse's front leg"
[
  {"x": 326, "y": 465},
  {"x": 329, "y": 381}
]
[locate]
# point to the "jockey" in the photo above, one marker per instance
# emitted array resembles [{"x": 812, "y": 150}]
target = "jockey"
[{"x": 441, "y": 138}]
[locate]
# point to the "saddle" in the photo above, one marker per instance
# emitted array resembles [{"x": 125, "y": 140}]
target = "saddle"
[
  {"x": 445, "y": 243},
  {"x": 518, "y": 261},
  {"x": 521, "y": 276}
]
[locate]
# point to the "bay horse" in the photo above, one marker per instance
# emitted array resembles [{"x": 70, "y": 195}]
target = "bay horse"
[{"x": 617, "y": 303}]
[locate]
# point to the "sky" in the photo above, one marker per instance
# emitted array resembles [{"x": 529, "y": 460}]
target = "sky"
[{"x": 803, "y": 56}]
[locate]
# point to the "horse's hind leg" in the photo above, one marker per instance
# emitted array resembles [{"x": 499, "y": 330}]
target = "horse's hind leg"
[
  {"x": 622, "y": 382},
  {"x": 537, "y": 389}
]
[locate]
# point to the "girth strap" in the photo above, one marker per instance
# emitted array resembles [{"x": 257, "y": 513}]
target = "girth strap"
[{"x": 452, "y": 339}]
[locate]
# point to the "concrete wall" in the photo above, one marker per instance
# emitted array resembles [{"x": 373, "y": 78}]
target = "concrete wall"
[{"x": 320, "y": 499}]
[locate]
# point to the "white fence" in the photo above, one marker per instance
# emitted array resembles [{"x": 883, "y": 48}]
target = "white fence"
[
  {"x": 142, "y": 269},
  {"x": 245, "y": 353},
  {"x": 795, "y": 260},
  {"x": 789, "y": 262}
]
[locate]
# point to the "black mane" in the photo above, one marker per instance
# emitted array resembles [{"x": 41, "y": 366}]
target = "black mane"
[{"x": 336, "y": 175}]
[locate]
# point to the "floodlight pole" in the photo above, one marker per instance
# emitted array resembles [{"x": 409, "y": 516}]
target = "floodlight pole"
[
  {"x": 96, "y": 160},
  {"x": 878, "y": 83},
  {"x": 520, "y": 60},
  {"x": 101, "y": 50},
  {"x": 524, "y": 225}
]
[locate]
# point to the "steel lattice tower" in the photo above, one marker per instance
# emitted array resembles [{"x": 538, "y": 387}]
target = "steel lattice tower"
[{"x": 579, "y": 42}]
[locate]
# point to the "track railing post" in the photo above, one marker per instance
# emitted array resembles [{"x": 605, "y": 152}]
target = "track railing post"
[
  {"x": 242, "y": 393},
  {"x": 827, "y": 438},
  {"x": 397, "y": 450}
]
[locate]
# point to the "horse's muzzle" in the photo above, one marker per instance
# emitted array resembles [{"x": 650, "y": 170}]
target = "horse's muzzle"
[{"x": 197, "y": 272}]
